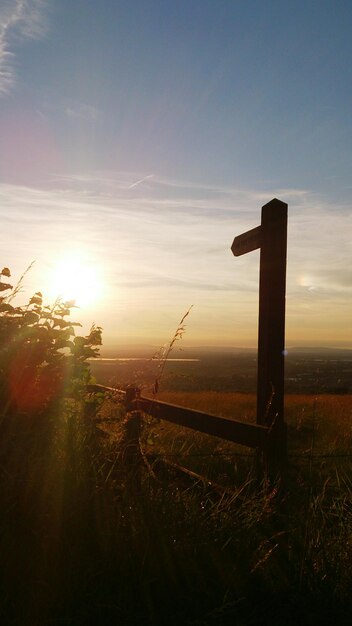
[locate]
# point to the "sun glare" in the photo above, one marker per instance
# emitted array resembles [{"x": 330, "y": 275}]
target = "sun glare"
[{"x": 75, "y": 277}]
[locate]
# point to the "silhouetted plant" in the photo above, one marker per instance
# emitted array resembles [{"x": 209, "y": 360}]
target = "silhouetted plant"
[
  {"x": 163, "y": 354},
  {"x": 40, "y": 355}
]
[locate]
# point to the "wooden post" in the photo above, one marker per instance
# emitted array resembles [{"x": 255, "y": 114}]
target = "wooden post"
[
  {"x": 271, "y": 328},
  {"x": 89, "y": 415},
  {"x": 271, "y": 333},
  {"x": 271, "y": 238},
  {"x": 131, "y": 439}
]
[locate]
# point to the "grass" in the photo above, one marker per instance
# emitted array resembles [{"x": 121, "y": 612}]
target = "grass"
[
  {"x": 86, "y": 539},
  {"x": 326, "y": 418},
  {"x": 82, "y": 544},
  {"x": 319, "y": 433}
]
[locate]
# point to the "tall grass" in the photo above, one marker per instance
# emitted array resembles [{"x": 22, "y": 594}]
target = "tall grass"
[{"x": 80, "y": 545}]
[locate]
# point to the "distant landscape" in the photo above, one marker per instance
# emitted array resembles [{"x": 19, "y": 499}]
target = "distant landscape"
[{"x": 307, "y": 370}]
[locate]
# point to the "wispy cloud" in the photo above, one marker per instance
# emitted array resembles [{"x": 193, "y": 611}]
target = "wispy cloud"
[
  {"x": 161, "y": 247},
  {"x": 141, "y": 180},
  {"x": 188, "y": 237},
  {"x": 22, "y": 19},
  {"x": 82, "y": 111}
]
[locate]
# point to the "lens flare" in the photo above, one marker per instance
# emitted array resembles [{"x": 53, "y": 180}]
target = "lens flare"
[{"x": 75, "y": 277}]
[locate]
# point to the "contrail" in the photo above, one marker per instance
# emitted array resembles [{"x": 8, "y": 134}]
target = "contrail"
[{"x": 138, "y": 182}]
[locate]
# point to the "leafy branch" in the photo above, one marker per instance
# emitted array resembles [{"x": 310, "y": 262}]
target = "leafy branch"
[{"x": 41, "y": 358}]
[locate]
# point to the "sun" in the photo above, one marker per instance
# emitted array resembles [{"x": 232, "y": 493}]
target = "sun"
[{"x": 75, "y": 277}]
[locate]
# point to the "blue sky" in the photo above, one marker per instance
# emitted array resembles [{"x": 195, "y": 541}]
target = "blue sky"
[{"x": 146, "y": 135}]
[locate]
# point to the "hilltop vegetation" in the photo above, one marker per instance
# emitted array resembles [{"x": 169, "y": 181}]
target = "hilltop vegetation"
[
  {"x": 83, "y": 543},
  {"x": 41, "y": 357}
]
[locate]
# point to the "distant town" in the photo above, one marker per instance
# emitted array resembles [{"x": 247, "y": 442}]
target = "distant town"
[{"x": 307, "y": 370}]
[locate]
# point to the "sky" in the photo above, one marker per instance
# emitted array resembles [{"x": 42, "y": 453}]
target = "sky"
[{"x": 139, "y": 137}]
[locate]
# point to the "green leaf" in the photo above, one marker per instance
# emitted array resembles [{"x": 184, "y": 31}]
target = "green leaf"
[
  {"x": 63, "y": 312},
  {"x": 4, "y": 286},
  {"x": 46, "y": 315},
  {"x": 64, "y": 334},
  {"x": 36, "y": 299},
  {"x": 30, "y": 317},
  {"x": 80, "y": 341},
  {"x": 6, "y": 308},
  {"x": 94, "y": 337},
  {"x": 58, "y": 321},
  {"x": 42, "y": 333},
  {"x": 63, "y": 343}
]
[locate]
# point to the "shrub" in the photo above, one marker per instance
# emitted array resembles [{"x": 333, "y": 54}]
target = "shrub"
[{"x": 41, "y": 358}]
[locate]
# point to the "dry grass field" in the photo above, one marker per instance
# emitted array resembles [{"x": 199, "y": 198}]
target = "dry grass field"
[
  {"x": 322, "y": 423},
  {"x": 87, "y": 537},
  {"x": 82, "y": 544}
]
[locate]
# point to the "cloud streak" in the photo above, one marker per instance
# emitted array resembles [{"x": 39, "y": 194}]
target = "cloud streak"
[
  {"x": 141, "y": 180},
  {"x": 160, "y": 250},
  {"x": 20, "y": 19},
  {"x": 82, "y": 111},
  {"x": 184, "y": 234}
]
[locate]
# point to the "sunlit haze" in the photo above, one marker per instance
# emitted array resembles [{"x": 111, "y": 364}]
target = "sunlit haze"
[
  {"x": 137, "y": 140},
  {"x": 73, "y": 277}
]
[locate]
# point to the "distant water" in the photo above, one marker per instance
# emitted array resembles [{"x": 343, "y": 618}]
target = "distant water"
[{"x": 141, "y": 359}]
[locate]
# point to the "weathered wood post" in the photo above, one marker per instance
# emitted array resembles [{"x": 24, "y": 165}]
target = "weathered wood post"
[
  {"x": 271, "y": 333},
  {"x": 131, "y": 438},
  {"x": 89, "y": 415},
  {"x": 271, "y": 238}
]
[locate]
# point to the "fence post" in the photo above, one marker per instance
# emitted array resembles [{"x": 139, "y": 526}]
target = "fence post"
[
  {"x": 271, "y": 335},
  {"x": 131, "y": 437},
  {"x": 89, "y": 415}
]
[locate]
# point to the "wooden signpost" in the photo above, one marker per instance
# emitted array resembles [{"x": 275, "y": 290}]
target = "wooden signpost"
[
  {"x": 268, "y": 436},
  {"x": 271, "y": 238}
]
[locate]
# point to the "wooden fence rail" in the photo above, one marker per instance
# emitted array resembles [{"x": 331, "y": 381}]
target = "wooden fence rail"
[{"x": 250, "y": 435}]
